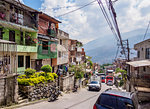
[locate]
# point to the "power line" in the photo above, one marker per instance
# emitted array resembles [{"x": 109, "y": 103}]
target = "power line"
[
  {"x": 76, "y": 9},
  {"x": 146, "y": 30},
  {"x": 107, "y": 19},
  {"x": 61, "y": 7},
  {"x": 117, "y": 53}
]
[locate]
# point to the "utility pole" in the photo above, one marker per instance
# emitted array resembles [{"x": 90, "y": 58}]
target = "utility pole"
[{"x": 128, "y": 66}]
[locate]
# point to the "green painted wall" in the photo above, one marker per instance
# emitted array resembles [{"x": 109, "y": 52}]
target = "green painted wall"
[
  {"x": 21, "y": 46},
  {"x": 50, "y": 54}
]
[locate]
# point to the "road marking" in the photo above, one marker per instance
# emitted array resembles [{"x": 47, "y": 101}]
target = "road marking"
[{"x": 82, "y": 101}]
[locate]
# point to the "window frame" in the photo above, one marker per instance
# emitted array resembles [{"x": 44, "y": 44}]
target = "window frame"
[{"x": 21, "y": 65}]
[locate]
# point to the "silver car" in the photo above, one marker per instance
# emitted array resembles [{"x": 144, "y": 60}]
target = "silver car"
[{"x": 94, "y": 85}]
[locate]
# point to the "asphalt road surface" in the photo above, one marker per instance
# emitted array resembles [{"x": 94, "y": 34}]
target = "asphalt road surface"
[{"x": 83, "y": 99}]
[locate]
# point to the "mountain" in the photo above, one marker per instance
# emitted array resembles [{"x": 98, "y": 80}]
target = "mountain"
[{"x": 103, "y": 50}]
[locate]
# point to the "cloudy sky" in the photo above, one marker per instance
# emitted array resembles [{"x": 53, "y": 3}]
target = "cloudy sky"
[{"x": 88, "y": 23}]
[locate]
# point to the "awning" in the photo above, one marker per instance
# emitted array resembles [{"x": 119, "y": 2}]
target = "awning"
[{"x": 140, "y": 63}]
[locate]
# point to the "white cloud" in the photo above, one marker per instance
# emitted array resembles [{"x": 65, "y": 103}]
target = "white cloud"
[{"x": 89, "y": 23}]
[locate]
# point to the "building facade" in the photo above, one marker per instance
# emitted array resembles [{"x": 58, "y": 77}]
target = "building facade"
[
  {"x": 47, "y": 41},
  {"x": 140, "y": 71},
  {"x": 62, "y": 49},
  {"x": 75, "y": 52},
  {"x": 18, "y": 23}
]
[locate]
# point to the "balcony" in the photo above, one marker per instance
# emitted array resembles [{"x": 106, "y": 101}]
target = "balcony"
[
  {"x": 24, "y": 48},
  {"x": 51, "y": 32},
  {"x": 62, "y": 35},
  {"x": 72, "y": 48}
]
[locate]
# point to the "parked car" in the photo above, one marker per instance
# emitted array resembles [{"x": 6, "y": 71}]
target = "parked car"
[
  {"x": 114, "y": 99},
  {"x": 110, "y": 83},
  {"x": 94, "y": 85}
]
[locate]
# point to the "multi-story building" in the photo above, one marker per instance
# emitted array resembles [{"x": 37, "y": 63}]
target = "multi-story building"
[
  {"x": 62, "y": 49},
  {"x": 140, "y": 71},
  {"x": 72, "y": 51},
  {"x": 47, "y": 41},
  {"x": 75, "y": 52},
  {"x": 18, "y": 23}
]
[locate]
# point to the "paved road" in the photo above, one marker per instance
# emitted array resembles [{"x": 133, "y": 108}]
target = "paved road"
[{"x": 83, "y": 99}]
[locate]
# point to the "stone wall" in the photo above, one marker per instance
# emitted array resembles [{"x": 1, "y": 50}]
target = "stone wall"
[{"x": 40, "y": 91}]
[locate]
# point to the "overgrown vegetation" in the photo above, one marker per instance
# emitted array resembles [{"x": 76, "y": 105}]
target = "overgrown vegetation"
[
  {"x": 32, "y": 78},
  {"x": 123, "y": 76},
  {"x": 78, "y": 70}
]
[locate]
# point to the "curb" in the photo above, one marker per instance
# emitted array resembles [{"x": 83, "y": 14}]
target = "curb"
[{"x": 24, "y": 104}]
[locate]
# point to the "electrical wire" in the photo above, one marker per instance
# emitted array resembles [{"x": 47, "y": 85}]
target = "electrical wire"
[
  {"x": 76, "y": 9},
  {"x": 146, "y": 30},
  {"x": 117, "y": 53},
  {"x": 107, "y": 19}
]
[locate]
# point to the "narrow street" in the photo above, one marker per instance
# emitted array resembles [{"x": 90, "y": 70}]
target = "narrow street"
[{"x": 83, "y": 99}]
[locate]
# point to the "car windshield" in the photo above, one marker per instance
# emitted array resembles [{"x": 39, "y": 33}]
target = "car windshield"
[
  {"x": 109, "y": 78},
  {"x": 103, "y": 77},
  {"x": 115, "y": 102},
  {"x": 94, "y": 82}
]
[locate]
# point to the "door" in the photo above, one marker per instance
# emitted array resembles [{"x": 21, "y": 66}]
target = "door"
[
  {"x": 27, "y": 61},
  {"x": 38, "y": 64},
  {"x": 12, "y": 35}
]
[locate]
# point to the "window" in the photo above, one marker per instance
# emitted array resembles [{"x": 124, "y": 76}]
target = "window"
[
  {"x": 60, "y": 42},
  {"x": 1, "y": 33},
  {"x": 138, "y": 54},
  {"x": 144, "y": 69},
  {"x": 147, "y": 54},
  {"x": 20, "y": 61},
  {"x": 45, "y": 45},
  {"x": 21, "y": 36},
  {"x": 59, "y": 53}
]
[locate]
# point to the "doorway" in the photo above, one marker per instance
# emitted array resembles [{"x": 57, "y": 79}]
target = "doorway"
[{"x": 27, "y": 61}]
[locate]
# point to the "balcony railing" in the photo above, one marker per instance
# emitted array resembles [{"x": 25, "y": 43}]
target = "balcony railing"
[{"x": 51, "y": 32}]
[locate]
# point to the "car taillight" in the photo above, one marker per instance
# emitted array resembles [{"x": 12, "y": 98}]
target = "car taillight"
[{"x": 94, "y": 107}]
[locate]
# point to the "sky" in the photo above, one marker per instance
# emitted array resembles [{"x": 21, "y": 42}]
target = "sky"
[{"x": 88, "y": 23}]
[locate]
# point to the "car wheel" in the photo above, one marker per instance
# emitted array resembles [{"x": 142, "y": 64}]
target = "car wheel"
[{"x": 89, "y": 89}]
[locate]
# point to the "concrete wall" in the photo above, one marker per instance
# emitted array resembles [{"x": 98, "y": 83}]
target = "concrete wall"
[
  {"x": 8, "y": 90},
  {"x": 67, "y": 83}
]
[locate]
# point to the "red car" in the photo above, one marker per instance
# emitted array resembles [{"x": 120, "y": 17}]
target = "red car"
[
  {"x": 103, "y": 79},
  {"x": 109, "y": 78}
]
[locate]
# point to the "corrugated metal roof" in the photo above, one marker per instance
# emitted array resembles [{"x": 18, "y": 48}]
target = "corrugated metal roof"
[{"x": 140, "y": 63}]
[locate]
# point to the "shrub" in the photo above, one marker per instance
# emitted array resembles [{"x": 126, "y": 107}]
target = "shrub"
[
  {"x": 28, "y": 72},
  {"x": 36, "y": 78},
  {"x": 46, "y": 68},
  {"x": 121, "y": 83}
]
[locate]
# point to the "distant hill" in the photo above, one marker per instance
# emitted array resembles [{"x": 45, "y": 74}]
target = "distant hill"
[{"x": 103, "y": 50}]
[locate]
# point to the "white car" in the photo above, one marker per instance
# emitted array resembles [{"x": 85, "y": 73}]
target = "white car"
[{"x": 94, "y": 85}]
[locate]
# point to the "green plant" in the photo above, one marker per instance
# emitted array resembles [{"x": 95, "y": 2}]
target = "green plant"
[
  {"x": 36, "y": 78},
  {"x": 46, "y": 68},
  {"x": 28, "y": 72},
  {"x": 121, "y": 83}
]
